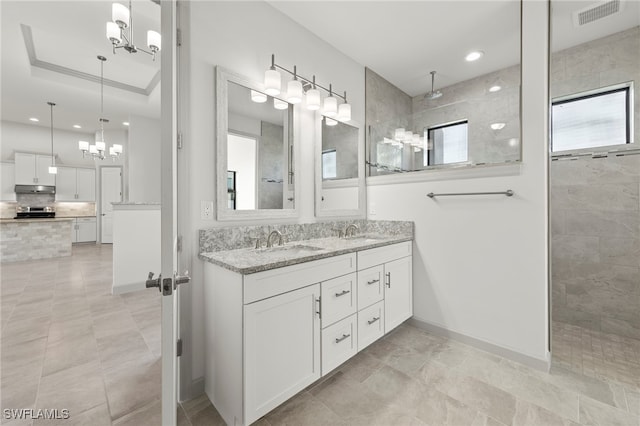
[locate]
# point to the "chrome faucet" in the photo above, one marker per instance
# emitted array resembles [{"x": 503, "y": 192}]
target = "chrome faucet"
[
  {"x": 350, "y": 230},
  {"x": 274, "y": 232}
]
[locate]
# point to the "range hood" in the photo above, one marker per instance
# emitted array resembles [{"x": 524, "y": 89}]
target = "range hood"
[{"x": 35, "y": 189}]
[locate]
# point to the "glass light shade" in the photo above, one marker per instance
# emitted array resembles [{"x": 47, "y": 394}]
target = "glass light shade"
[
  {"x": 387, "y": 140},
  {"x": 83, "y": 145},
  {"x": 117, "y": 148},
  {"x": 330, "y": 121},
  {"x": 313, "y": 99},
  {"x": 417, "y": 149},
  {"x": 399, "y": 134},
  {"x": 497, "y": 126},
  {"x": 344, "y": 112},
  {"x": 93, "y": 149},
  {"x": 113, "y": 32},
  {"x": 294, "y": 92},
  {"x": 330, "y": 107},
  {"x": 494, "y": 88},
  {"x": 408, "y": 136},
  {"x": 415, "y": 139},
  {"x": 278, "y": 104},
  {"x": 100, "y": 145},
  {"x": 272, "y": 82},
  {"x": 154, "y": 41},
  {"x": 258, "y": 97},
  {"x": 112, "y": 152},
  {"x": 120, "y": 14},
  {"x": 53, "y": 170}
]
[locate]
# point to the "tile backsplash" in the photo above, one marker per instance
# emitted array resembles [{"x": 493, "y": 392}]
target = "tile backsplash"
[{"x": 8, "y": 208}]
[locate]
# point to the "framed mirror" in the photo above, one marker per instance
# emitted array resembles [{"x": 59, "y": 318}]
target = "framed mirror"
[
  {"x": 255, "y": 151},
  {"x": 340, "y": 186}
]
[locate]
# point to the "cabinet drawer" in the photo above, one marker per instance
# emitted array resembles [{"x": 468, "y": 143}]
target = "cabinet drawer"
[
  {"x": 370, "y": 286},
  {"x": 339, "y": 298},
  {"x": 380, "y": 255},
  {"x": 269, "y": 283},
  {"x": 339, "y": 343},
  {"x": 86, "y": 219},
  {"x": 370, "y": 325}
]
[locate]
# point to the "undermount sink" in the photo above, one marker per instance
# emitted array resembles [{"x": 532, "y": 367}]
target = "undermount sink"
[{"x": 290, "y": 249}]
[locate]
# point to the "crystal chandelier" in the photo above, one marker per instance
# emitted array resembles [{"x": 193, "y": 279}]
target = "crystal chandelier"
[
  {"x": 98, "y": 149},
  {"x": 120, "y": 32}
]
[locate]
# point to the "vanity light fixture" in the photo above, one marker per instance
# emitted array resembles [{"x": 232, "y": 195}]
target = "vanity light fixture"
[
  {"x": 77, "y": 126},
  {"x": 35, "y": 120},
  {"x": 497, "y": 126},
  {"x": 125, "y": 123},
  {"x": 399, "y": 134},
  {"x": 52, "y": 168},
  {"x": 98, "y": 149},
  {"x": 494, "y": 88},
  {"x": 301, "y": 85},
  {"x": 330, "y": 121},
  {"x": 120, "y": 32},
  {"x": 474, "y": 56}
]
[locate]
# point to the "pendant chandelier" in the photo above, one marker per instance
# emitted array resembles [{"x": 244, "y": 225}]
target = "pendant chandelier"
[
  {"x": 52, "y": 168},
  {"x": 98, "y": 149},
  {"x": 120, "y": 32}
]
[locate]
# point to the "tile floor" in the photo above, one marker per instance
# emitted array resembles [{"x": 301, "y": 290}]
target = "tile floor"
[{"x": 66, "y": 342}]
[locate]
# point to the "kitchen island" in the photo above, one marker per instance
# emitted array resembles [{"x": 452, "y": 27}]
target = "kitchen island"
[{"x": 30, "y": 239}]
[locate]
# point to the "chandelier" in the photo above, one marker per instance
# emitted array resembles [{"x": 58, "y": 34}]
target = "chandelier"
[
  {"x": 98, "y": 149},
  {"x": 120, "y": 32}
]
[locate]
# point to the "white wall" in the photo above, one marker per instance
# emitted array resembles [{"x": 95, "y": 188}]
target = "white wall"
[
  {"x": 144, "y": 159},
  {"x": 248, "y": 52},
  {"x": 480, "y": 263}
]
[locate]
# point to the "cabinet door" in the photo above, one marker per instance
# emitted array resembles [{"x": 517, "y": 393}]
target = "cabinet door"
[
  {"x": 339, "y": 343},
  {"x": 86, "y": 185},
  {"x": 42, "y": 170},
  {"x": 7, "y": 182},
  {"x": 281, "y": 349},
  {"x": 398, "y": 293},
  {"x": 25, "y": 169},
  {"x": 66, "y": 184},
  {"x": 86, "y": 230},
  {"x": 339, "y": 298},
  {"x": 74, "y": 231},
  {"x": 370, "y": 286}
]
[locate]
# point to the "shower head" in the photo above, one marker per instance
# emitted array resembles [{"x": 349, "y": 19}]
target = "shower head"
[{"x": 433, "y": 94}]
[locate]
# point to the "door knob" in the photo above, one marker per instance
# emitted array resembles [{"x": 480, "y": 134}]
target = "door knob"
[{"x": 150, "y": 283}]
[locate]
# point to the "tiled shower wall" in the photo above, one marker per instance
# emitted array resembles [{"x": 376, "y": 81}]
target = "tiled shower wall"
[{"x": 595, "y": 226}]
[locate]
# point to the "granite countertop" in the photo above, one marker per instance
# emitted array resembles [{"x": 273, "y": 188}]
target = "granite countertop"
[
  {"x": 250, "y": 260},
  {"x": 46, "y": 219}
]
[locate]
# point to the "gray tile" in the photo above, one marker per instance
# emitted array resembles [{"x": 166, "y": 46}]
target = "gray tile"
[
  {"x": 97, "y": 416},
  {"x": 149, "y": 414},
  {"x": 303, "y": 409},
  {"x": 438, "y": 409},
  {"x": 347, "y": 398},
  {"x": 122, "y": 349},
  {"x": 485, "y": 398},
  {"x": 131, "y": 388},
  {"x": 594, "y": 413},
  {"x": 113, "y": 322},
  {"x": 69, "y": 352}
]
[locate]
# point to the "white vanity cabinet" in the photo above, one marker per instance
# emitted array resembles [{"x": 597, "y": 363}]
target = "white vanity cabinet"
[{"x": 270, "y": 334}]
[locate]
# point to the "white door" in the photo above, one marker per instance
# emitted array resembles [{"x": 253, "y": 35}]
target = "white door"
[
  {"x": 86, "y": 229},
  {"x": 110, "y": 192},
  {"x": 398, "y": 295}
]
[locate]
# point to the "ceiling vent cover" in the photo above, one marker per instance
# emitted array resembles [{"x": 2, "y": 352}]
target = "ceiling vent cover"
[{"x": 597, "y": 11}]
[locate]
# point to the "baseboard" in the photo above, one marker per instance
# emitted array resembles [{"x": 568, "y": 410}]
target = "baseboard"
[
  {"x": 538, "y": 364},
  {"x": 127, "y": 288}
]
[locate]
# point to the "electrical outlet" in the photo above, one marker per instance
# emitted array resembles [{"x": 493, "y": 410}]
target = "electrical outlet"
[{"x": 206, "y": 210}]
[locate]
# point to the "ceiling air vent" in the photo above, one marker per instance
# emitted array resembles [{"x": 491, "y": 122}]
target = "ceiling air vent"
[{"x": 597, "y": 11}]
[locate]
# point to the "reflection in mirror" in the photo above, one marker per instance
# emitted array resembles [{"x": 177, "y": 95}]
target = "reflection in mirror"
[
  {"x": 466, "y": 113},
  {"x": 339, "y": 150},
  {"x": 340, "y": 176},
  {"x": 255, "y": 151}
]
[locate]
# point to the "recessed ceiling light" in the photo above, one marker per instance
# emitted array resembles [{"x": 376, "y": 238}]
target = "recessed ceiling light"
[
  {"x": 77, "y": 126},
  {"x": 35, "y": 120},
  {"x": 498, "y": 126},
  {"x": 125, "y": 123},
  {"x": 513, "y": 142},
  {"x": 494, "y": 88},
  {"x": 474, "y": 56}
]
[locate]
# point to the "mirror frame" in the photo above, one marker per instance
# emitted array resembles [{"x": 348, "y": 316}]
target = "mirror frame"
[
  {"x": 224, "y": 76},
  {"x": 358, "y": 182}
]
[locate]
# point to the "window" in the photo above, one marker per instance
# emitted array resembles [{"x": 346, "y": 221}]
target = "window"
[
  {"x": 591, "y": 120},
  {"x": 448, "y": 143},
  {"x": 329, "y": 169}
]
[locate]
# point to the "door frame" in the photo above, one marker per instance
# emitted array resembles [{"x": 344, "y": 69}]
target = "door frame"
[{"x": 99, "y": 195}]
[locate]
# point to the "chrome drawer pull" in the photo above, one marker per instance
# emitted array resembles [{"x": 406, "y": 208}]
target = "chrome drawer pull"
[
  {"x": 373, "y": 282},
  {"x": 373, "y": 320},
  {"x": 343, "y": 292},
  {"x": 340, "y": 339}
]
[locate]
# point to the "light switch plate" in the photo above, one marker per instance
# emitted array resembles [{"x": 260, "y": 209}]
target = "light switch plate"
[{"x": 206, "y": 210}]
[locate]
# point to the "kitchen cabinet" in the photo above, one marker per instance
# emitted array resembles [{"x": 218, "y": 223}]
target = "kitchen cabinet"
[
  {"x": 84, "y": 230},
  {"x": 33, "y": 169},
  {"x": 270, "y": 334},
  {"x": 76, "y": 184},
  {"x": 7, "y": 182}
]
